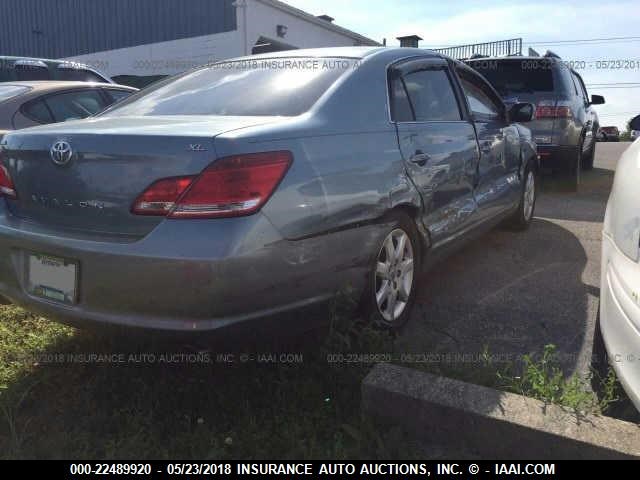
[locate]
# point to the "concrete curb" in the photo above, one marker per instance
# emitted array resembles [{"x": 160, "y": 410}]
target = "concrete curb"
[{"x": 489, "y": 422}]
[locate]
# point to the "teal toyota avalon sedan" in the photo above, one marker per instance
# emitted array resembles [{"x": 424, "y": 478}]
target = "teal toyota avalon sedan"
[{"x": 254, "y": 187}]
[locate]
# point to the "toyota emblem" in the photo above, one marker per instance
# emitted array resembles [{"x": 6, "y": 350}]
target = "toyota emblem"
[{"x": 61, "y": 152}]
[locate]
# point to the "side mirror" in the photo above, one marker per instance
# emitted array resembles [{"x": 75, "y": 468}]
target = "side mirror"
[
  {"x": 521, "y": 112},
  {"x": 635, "y": 123},
  {"x": 597, "y": 100}
]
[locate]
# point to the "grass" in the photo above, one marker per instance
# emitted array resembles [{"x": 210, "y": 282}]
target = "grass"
[
  {"x": 543, "y": 379},
  {"x": 54, "y": 403},
  {"x": 51, "y": 407}
]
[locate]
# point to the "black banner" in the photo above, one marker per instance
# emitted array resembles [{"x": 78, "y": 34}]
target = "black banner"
[{"x": 73, "y": 470}]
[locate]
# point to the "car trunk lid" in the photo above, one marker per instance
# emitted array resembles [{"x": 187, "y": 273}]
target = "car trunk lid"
[{"x": 113, "y": 160}]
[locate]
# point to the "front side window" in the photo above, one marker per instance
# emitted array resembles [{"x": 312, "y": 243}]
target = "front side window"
[
  {"x": 582, "y": 91},
  {"x": 482, "y": 105},
  {"x": 279, "y": 86}
]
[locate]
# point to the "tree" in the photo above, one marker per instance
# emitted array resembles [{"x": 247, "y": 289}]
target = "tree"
[{"x": 626, "y": 135}]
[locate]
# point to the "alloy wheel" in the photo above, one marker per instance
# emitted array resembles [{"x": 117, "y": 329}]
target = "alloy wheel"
[{"x": 394, "y": 275}]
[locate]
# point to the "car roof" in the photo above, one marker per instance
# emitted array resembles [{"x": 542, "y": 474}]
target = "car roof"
[
  {"x": 340, "y": 52},
  {"x": 512, "y": 57},
  {"x": 54, "y": 85},
  {"x": 45, "y": 60}
]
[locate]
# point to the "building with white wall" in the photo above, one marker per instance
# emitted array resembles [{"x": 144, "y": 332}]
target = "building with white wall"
[{"x": 145, "y": 39}]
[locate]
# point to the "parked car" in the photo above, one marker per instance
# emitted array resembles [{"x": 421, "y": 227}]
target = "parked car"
[
  {"x": 25, "y": 69},
  {"x": 610, "y": 134},
  {"x": 565, "y": 124},
  {"x": 25, "y": 104},
  {"x": 259, "y": 186},
  {"x": 620, "y": 278}
]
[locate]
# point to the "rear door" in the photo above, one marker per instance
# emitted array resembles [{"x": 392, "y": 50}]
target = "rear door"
[
  {"x": 437, "y": 143},
  {"x": 499, "y": 145}
]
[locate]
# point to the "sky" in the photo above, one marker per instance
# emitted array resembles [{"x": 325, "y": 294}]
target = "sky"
[{"x": 541, "y": 24}]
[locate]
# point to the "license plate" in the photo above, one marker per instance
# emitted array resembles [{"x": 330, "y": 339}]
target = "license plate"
[{"x": 53, "y": 278}]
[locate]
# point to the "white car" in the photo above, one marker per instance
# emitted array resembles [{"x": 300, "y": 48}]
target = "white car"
[{"x": 620, "y": 277}]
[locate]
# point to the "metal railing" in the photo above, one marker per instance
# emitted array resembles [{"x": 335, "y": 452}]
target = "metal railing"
[{"x": 512, "y": 46}]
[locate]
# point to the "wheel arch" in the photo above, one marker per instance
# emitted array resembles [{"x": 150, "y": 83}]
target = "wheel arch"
[{"x": 414, "y": 212}]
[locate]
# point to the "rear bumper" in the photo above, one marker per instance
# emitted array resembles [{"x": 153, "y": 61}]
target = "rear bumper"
[
  {"x": 188, "y": 275},
  {"x": 620, "y": 317},
  {"x": 558, "y": 157}
]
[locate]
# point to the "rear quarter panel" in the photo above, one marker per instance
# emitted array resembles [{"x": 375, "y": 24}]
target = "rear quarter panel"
[{"x": 347, "y": 168}]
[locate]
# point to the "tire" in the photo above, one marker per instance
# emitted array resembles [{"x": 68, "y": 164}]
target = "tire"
[
  {"x": 587, "y": 160},
  {"x": 382, "y": 288},
  {"x": 572, "y": 176},
  {"x": 522, "y": 217}
]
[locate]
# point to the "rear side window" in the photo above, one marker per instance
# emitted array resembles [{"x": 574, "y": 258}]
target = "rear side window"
[
  {"x": 75, "y": 105},
  {"x": 279, "y": 86},
  {"x": 32, "y": 72},
  {"x": 37, "y": 111},
  {"x": 424, "y": 96},
  {"x": 431, "y": 96},
  {"x": 10, "y": 91},
  {"x": 517, "y": 76},
  {"x": 401, "y": 109}
]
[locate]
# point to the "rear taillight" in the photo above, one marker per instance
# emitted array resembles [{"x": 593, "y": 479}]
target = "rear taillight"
[
  {"x": 553, "y": 111},
  {"x": 160, "y": 198},
  {"x": 229, "y": 187},
  {"x": 6, "y": 184}
]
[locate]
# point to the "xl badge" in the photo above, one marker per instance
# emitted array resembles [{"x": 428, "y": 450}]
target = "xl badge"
[{"x": 61, "y": 152}]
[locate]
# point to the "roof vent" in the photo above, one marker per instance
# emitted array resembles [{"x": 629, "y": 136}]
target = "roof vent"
[
  {"x": 326, "y": 18},
  {"x": 409, "y": 41}
]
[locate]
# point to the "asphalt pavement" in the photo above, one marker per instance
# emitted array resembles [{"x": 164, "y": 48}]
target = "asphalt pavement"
[{"x": 511, "y": 293}]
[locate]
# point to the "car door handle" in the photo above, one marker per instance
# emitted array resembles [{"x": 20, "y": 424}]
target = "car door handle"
[{"x": 420, "y": 158}]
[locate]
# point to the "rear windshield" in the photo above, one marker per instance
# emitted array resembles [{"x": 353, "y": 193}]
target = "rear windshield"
[
  {"x": 517, "y": 76},
  {"x": 10, "y": 91},
  {"x": 279, "y": 86}
]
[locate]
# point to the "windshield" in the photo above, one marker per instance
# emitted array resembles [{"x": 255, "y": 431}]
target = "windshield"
[
  {"x": 279, "y": 86},
  {"x": 10, "y": 91},
  {"x": 517, "y": 76}
]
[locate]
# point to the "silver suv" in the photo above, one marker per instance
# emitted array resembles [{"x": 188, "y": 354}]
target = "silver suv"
[
  {"x": 14, "y": 69},
  {"x": 565, "y": 123}
]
